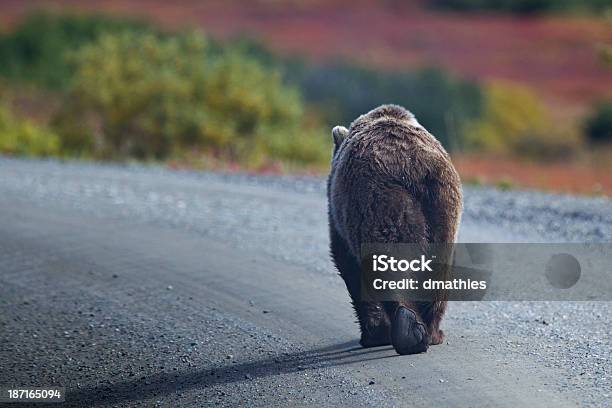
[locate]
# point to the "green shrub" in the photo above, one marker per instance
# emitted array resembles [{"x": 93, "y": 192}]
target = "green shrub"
[
  {"x": 514, "y": 121},
  {"x": 604, "y": 49},
  {"x": 151, "y": 97},
  {"x": 76, "y": 130},
  {"x": 510, "y": 112},
  {"x": 35, "y": 50},
  {"x": 23, "y": 137},
  {"x": 598, "y": 126},
  {"x": 302, "y": 147},
  {"x": 505, "y": 184},
  {"x": 145, "y": 92}
]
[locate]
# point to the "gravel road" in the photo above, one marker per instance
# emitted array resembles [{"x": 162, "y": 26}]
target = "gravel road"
[{"x": 140, "y": 286}]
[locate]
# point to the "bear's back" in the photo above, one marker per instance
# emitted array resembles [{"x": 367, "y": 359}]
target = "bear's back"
[{"x": 376, "y": 185}]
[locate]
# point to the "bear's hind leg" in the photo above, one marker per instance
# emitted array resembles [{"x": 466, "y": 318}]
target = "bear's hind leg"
[
  {"x": 376, "y": 327},
  {"x": 372, "y": 318}
]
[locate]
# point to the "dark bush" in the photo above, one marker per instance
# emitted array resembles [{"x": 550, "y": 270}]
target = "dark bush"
[
  {"x": 522, "y": 6},
  {"x": 35, "y": 50},
  {"x": 442, "y": 103},
  {"x": 598, "y": 126}
]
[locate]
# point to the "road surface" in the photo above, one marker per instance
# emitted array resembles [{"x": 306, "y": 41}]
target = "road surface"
[{"x": 140, "y": 286}]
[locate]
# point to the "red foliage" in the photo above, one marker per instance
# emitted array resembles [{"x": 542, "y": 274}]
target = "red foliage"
[{"x": 577, "y": 178}]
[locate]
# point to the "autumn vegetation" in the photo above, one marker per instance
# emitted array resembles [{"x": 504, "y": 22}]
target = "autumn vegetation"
[{"x": 101, "y": 87}]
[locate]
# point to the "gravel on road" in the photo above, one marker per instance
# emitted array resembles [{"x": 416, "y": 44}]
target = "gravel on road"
[{"x": 88, "y": 301}]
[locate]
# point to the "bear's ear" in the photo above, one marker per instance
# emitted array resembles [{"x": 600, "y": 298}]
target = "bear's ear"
[{"x": 339, "y": 133}]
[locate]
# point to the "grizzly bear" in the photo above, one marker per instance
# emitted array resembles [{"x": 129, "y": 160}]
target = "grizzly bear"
[{"x": 391, "y": 181}]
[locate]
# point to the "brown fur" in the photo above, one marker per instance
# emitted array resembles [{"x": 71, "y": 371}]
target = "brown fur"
[{"x": 391, "y": 182}]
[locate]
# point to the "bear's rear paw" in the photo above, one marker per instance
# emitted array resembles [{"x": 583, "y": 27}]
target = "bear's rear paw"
[
  {"x": 375, "y": 335},
  {"x": 374, "y": 341},
  {"x": 408, "y": 335}
]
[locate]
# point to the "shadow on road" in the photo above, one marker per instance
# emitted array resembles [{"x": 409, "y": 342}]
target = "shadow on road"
[{"x": 161, "y": 384}]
